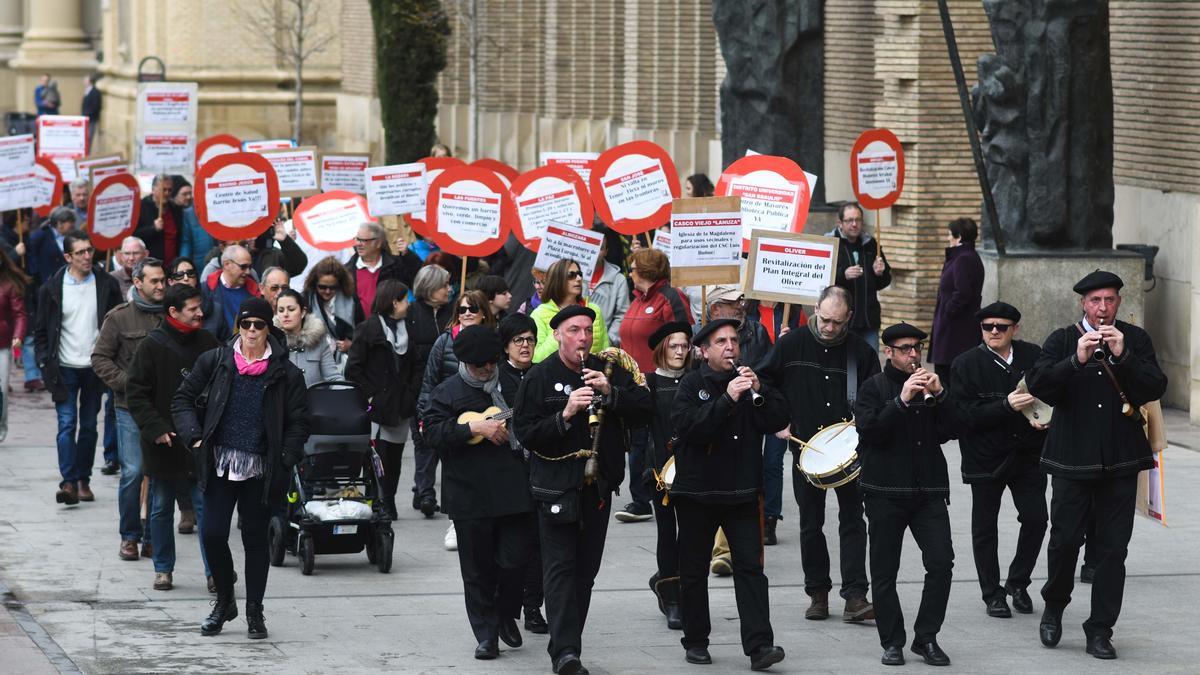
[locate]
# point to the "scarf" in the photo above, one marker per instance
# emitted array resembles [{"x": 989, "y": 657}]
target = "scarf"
[
  {"x": 667, "y": 372},
  {"x": 396, "y": 334},
  {"x": 144, "y": 304},
  {"x": 247, "y": 367},
  {"x": 178, "y": 325},
  {"x": 816, "y": 333}
]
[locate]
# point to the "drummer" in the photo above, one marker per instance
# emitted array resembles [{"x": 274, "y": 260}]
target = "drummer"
[
  {"x": 1001, "y": 449},
  {"x": 903, "y": 415},
  {"x": 818, "y": 370}
]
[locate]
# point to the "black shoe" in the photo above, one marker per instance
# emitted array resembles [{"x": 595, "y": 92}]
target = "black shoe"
[
  {"x": 1050, "y": 629},
  {"x": 1101, "y": 647},
  {"x": 509, "y": 633},
  {"x": 568, "y": 663},
  {"x": 769, "y": 538},
  {"x": 428, "y": 506},
  {"x": 634, "y": 512},
  {"x": 487, "y": 650},
  {"x": 766, "y": 656},
  {"x": 892, "y": 656},
  {"x": 998, "y": 608},
  {"x": 932, "y": 653},
  {"x": 224, "y": 609},
  {"x": 698, "y": 655},
  {"x": 1021, "y": 601},
  {"x": 535, "y": 622},
  {"x": 256, "y": 626},
  {"x": 110, "y": 468},
  {"x": 416, "y": 502},
  {"x": 674, "y": 616},
  {"x": 1086, "y": 573}
]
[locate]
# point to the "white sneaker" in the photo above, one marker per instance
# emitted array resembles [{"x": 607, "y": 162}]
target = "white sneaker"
[{"x": 451, "y": 540}]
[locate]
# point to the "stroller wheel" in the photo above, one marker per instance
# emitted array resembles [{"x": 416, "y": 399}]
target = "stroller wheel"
[
  {"x": 372, "y": 546},
  {"x": 275, "y": 541},
  {"x": 384, "y": 538},
  {"x": 304, "y": 550}
]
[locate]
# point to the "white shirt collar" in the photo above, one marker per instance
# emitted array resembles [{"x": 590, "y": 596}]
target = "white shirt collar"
[
  {"x": 370, "y": 268},
  {"x": 1009, "y": 360}
]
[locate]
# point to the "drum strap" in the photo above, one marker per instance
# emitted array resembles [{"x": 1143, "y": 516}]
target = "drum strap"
[{"x": 851, "y": 376}]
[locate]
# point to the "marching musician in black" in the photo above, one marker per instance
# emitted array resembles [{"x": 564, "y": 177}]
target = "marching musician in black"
[
  {"x": 572, "y": 489},
  {"x": 671, "y": 346},
  {"x": 719, "y": 415},
  {"x": 485, "y": 490},
  {"x": 819, "y": 369},
  {"x": 1001, "y": 449},
  {"x": 903, "y": 415},
  {"x": 1096, "y": 373}
]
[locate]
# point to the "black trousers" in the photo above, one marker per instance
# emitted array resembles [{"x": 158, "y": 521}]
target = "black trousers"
[
  {"x": 1071, "y": 506},
  {"x": 571, "y": 554},
  {"x": 1027, "y": 484},
  {"x": 390, "y": 455},
  {"x": 667, "y": 548},
  {"x": 220, "y": 497},
  {"x": 929, "y": 522},
  {"x": 425, "y": 462},
  {"x": 698, "y": 523},
  {"x": 532, "y": 596},
  {"x": 491, "y": 555},
  {"x": 852, "y": 537}
]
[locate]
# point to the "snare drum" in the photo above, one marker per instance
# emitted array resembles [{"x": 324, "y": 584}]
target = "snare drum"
[{"x": 830, "y": 457}]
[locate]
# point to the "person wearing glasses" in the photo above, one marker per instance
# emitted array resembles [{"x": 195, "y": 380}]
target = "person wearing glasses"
[
  {"x": 225, "y": 290},
  {"x": 563, "y": 288},
  {"x": 243, "y": 410},
  {"x": 903, "y": 415},
  {"x": 275, "y": 280},
  {"x": 182, "y": 271},
  {"x": 862, "y": 269},
  {"x": 373, "y": 262},
  {"x": 329, "y": 289},
  {"x": 71, "y": 308},
  {"x": 1001, "y": 449},
  {"x": 960, "y": 291}
]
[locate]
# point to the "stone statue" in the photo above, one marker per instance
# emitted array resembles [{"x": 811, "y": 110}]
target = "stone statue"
[
  {"x": 772, "y": 98},
  {"x": 1044, "y": 109}
]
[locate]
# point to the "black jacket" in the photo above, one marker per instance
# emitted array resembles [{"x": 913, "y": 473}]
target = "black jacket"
[
  {"x": 719, "y": 454},
  {"x": 390, "y": 382},
  {"x": 865, "y": 289},
  {"x": 48, "y": 325},
  {"x": 162, "y": 360},
  {"x": 662, "y": 434},
  {"x": 812, "y": 378},
  {"x": 754, "y": 343},
  {"x": 484, "y": 480},
  {"x": 90, "y": 106},
  {"x": 403, "y": 268},
  {"x": 441, "y": 365},
  {"x": 540, "y": 426},
  {"x": 154, "y": 239},
  {"x": 199, "y": 406},
  {"x": 993, "y": 434},
  {"x": 1089, "y": 437},
  {"x": 899, "y": 445}
]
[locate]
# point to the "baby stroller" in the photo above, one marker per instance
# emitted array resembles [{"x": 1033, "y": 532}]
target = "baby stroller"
[{"x": 333, "y": 503}]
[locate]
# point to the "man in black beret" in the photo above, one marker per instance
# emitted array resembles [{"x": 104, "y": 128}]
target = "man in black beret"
[
  {"x": 1096, "y": 373},
  {"x": 484, "y": 488},
  {"x": 574, "y": 467},
  {"x": 903, "y": 415},
  {"x": 719, "y": 416},
  {"x": 1001, "y": 449}
]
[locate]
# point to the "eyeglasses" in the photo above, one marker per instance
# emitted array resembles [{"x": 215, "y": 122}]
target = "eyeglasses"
[
  {"x": 574, "y": 274},
  {"x": 180, "y": 276},
  {"x": 522, "y": 341},
  {"x": 914, "y": 348},
  {"x": 323, "y": 287},
  {"x": 989, "y": 327},
  {"x": 256, "y": 324},
  {"x": 463, "y": 309},
  {"x": 361, "y": 240},
  {"x": 484, "y": 365},
  {"x": 243, "y": 267},
  {"x": 84, "y": 251},
  {"x": 679, "y": 348}
]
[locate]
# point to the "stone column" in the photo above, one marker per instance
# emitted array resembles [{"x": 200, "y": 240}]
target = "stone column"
[
  {"x": 11, "y": 27},
  {"x": 55, "y": 43}
]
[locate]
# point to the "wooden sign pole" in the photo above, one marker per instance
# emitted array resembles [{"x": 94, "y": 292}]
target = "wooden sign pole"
[
  {"x": 703, "y": 305},
  {"x": 787, "y": 315},
  {"x": 21, "y": 232},
  {"x": 878, "y": 235},
  {"x": 462, "y": 284}
]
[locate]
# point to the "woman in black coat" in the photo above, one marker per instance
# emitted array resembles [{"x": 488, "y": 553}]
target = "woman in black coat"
[
  {"x": 381, "y": 363},
  {"x": 955, "y": 329}
]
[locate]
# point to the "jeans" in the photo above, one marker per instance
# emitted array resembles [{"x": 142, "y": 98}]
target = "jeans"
[
  {"x": 221, "y": 495},
  {"x": 110, "y": 429},
  {"x": 162, "y": 520},
  {"x": 77, "y": 453},
  {"x": 5, "y": 366},
  {"x": 773, "y": 452},
  {"x": 871, "y": 335},
  {"x": 129, "y": 490},
  {"x": 639, "y": 492},
  {"x": 29, "y": 360}
]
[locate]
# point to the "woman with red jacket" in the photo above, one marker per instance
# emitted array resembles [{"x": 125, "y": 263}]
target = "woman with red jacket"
[{"x": 13, "y": 324}]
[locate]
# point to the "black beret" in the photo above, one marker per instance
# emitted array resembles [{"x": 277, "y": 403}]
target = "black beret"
[
  {"x": 570, "y": 312},
  {"x": 711, "y": 327},
  {"x": 476, "y": 345},
  {"x": 668, "y": 329},
  {"x": 513, "y": 325},
  {"x": 1098, "y": 279},
  {"x": 902, "y": 330},
  {"x": 255, "y": 308},
  {"x": 999, "y": 310}
]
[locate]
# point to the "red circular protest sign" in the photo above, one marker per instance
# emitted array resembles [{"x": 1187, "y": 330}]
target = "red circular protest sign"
[
  {"x": 877, "y": 168},
  {"x": 330, "y": 221},
  {"x": 113, "y": 210},
  {"x": 504, "y": 171},
  {"x": 434, "y": 166},
  {"x": 469, "y": 211},
  {"x": 215, "y": 146},
  {"x": 47, "y": 172},
  {"x": 548, "y": 194},
  {"x": 236, "y": 195},
  {"x": 633, "y": 185},
  {"x": 774, "y": 190}
]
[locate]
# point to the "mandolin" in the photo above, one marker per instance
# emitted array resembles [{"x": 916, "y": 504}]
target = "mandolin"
[{"x": 492, "y": 413}]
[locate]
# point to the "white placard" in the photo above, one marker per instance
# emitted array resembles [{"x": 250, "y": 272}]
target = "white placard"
[
  {"x": 706, "y": 239},
  {"x": 167, "y": 103},
  {"x": 396, "y": 189},
  {"x": 547, "y": 200},
  {"x": 768, "y": 201},
  {"x": 268, "y": 144},
  {"x": 662, "y": 240},
  {"x": 579, "y": 162},
  {"x": 62, "y": 139},
  {"x": 468, "y": 212},
  {"x": 344, "y": 172},
  {"x": 113, "y": 210},
  {"x": 635, "y": 187},
  {"x": 43, "y": 187},
  {"x": 166, "y": 152},
  {"x": 878, "y": 169},
  {"x": 99, "y": 173},
  {"x": 793, "y": 268},
  {"x": 563, "y": 242},
  {"x": 16, "y": 154},
  {"x": 334, "y": 220},
  {"x": 17, "y": 190},
  {"x": 165, "y": 136},
  {"x": 234, "y": 200},
  {"x": 216, "y": 150},
  {"x": 296, "y": 169},
  {"x": 84, "y": 166}
]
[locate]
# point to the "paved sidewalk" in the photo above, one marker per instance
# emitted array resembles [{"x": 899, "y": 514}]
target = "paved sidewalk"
[{"x": 61, "y": 566}]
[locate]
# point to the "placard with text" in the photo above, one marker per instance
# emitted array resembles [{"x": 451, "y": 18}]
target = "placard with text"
[
  {"x": 296, "y": 169},
  {"x": 396, "y": 189},
  {"x": 62, "y": 139},
  {"x": 563, "y": 242},
  {"x": 344, "y": 172},
  {"x": 785, "y": 267},
  {"x": 706, "y": 241}
]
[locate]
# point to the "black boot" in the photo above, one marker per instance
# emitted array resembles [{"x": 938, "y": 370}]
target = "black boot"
[
  {"x": 668, "y": 594},
  {"x": 390, "y": 455},
  {"x": 224, "y": 609},
  {"x": 256, "y": 626},
  {"x": 769, "y": 538}
]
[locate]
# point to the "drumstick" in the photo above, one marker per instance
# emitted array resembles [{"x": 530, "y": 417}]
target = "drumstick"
[
  {"x": 839, "y": 431},
  {"x": 806, "y": 445}
]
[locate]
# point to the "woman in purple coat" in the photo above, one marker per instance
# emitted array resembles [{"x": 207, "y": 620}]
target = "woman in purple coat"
[{"x": 959, "y": 292}]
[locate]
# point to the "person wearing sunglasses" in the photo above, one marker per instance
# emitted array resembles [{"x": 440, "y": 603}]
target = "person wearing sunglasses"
[
  {"x": 329, "y": 290},
  {"x": 243, "y": 410},
  {"x": 225, "y": 291},
  {"x": 183, "y": 271},
  {"x": 563, "y": 288},
  {"x": 275, "y": 280},
  {"x": 960, "y": 292},
  {"x": 903, "y": 415}
]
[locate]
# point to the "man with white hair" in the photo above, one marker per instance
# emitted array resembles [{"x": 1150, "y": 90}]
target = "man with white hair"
[
  {"x": 80, "y": 191},
  {"x": 274, "y": 281},
  {"x": 133, "y": 251},
  {"x": 225, "y": 290}
]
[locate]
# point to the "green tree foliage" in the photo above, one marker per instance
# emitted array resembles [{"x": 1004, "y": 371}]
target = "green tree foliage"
[{"x": 410, "y": 51}]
